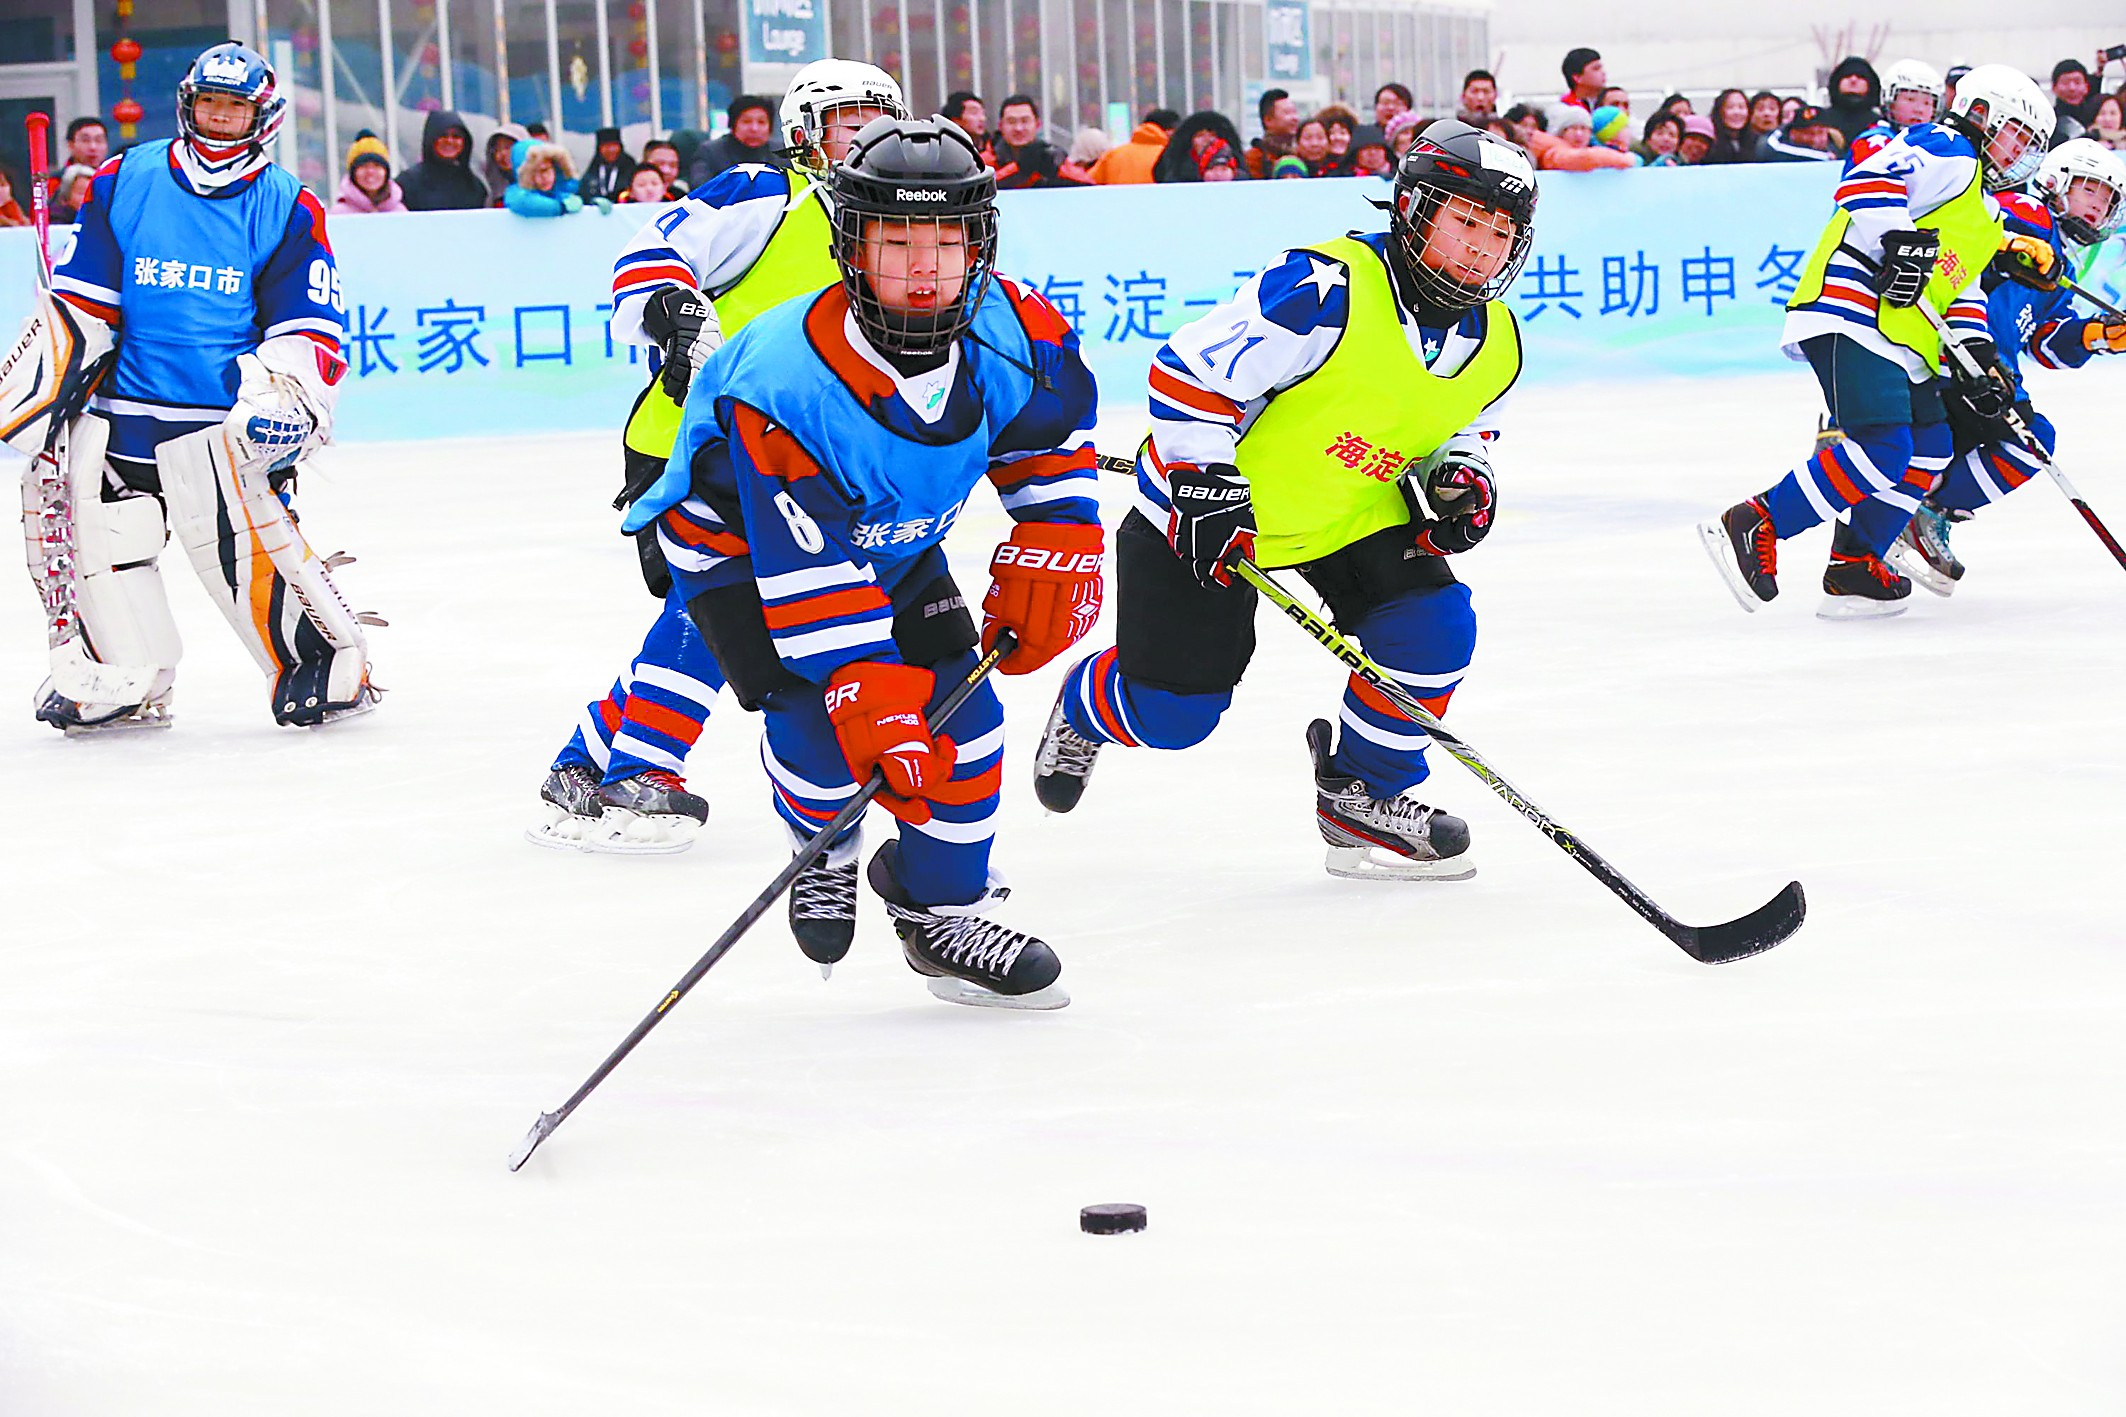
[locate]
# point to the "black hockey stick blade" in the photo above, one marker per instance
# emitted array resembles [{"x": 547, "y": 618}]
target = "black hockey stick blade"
[
  {"x": 1752, "y": 934},
  {"x": 541, "y": 1130}
]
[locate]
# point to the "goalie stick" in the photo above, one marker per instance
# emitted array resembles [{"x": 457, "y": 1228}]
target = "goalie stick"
[{"x": 762, "y": 903}]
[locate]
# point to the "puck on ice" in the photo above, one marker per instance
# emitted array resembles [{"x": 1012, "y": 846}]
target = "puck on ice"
[{"x": 1114, "y": 1218}]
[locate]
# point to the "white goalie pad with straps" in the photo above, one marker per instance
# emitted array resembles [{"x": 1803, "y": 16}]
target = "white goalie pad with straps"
[
  {"x": 273, "y": 589},
  {"x": 113, "y": 645},
  {"x": 47, "y": 370}
]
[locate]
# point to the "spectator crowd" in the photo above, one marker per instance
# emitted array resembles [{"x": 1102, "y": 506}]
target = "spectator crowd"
[{"x": 1590, "y": 126}]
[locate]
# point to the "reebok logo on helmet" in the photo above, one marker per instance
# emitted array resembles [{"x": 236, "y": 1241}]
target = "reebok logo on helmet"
[{"x": 919, "y": 194}]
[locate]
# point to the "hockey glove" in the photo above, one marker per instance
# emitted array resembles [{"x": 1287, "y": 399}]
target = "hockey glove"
[
  {"x": 877, "y": 713},
  {"x": 684, "y": 325},
  {"x": 1985, "y": 394},
  {"x": 1461, "y": 494},
  {"x": 2101, "y": 337},
  {"x": 1907, "y": 260},
  {"x": 2029, "y": 260},
  {"x": 1045, "y": 586},
  {"x": 270, "y": 423},
  {"x": 1212, "y": 524}
]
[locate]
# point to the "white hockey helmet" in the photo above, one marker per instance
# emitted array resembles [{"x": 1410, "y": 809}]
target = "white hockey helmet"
[
  {"x": 825, "y": 85},
  {"x": 2007, "y": 116},
  {"x": 2088, "y": 169},
  {"x": 1911, "y": 76}
]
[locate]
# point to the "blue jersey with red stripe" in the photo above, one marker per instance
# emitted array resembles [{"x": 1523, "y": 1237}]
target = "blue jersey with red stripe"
[
  {"x": 841, "y": 484},
  {"x": 2046, "y": 324},
  {"x": 191, "y": 280}
]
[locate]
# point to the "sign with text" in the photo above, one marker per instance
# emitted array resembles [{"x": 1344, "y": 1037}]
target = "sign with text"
[
  {"x": 1288, "y": 54},
  {"x": 785, "y": 31}
]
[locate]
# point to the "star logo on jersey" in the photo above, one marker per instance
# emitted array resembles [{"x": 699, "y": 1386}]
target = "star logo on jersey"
[{"x": 1324, "y": 276}]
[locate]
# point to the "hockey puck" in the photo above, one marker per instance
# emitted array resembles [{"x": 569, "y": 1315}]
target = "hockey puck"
[{"x": 1114, "y": 1218}]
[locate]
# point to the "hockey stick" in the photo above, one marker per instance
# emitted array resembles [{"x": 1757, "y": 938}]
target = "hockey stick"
[
  {"x": 2093, "y": 298},
  {"x": 762, "y": 903},
  {"x": 1968, "y": 364},
  {"x": 1753, "y": 933}
]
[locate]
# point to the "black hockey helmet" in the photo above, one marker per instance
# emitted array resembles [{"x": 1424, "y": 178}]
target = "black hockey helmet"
[
  {"x": 1464, "y": 175},
  {"x": 901, "y": 177}
]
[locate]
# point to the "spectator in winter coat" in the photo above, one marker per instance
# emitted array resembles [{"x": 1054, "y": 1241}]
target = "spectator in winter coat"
[
  {"x": 610, "y": 168},
  {"x": 751, "y": 139},
  {"x": 69, "y": 190},
  {"x": 2070, "y": 101},
  {"x": 495, "y": 163},
  {"x": 1479, "y": 102},
  {"x": 1280, "y": 125},
  {"x": 11, "y": 213},
  {"x": 1311, "y": 146},
  {"x": 1402, "y": 132},
  {"x": 647, "y": 185},
  {"x": 443, "y": 180},
  {"x": 1526, "y": 120},
  {"x": 1134, "y": 160},
  {"x": 1659, "y": 141},
  {"x": 1194, "y": 139},
  {"x": 1856, "y": 98},
  {"x": 1732, "y": 139},
  {"x": 1612, "y": 128},
  {"x": 367, "y": 187},
  {"x": 1391, "y": 99},
  {"x": 664, "y": 157},
  {"x": 1697, "y": 140},
  {"x": 965, "y": 109},
  {"x": 1585, "y": 78},
  {"x": 1088, "y": 146},
  {"x": 1764, "y": 119},
  {"x": 1569, "y": 145},
  {"x": 1023, "y": 158},
  {"x": 546, "y": 181},
  {"x": 2105, "y": 123},
  {"x": 1369, "y": 153},
  {"x": 88, "y": 143},
  {"x": 1341, "y": 123},
  {"x": 1811, "y": 136}
]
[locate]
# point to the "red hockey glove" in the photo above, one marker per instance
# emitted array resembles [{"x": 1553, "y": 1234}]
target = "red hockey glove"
[
  {"x": 877, "y": 713},
  {"x": 1045, "y": 586}
]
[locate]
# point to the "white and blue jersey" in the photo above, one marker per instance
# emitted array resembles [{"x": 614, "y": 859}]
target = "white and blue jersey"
[
  {"x": 721, "y": 229},
  {"x": 190, "y": 280}
]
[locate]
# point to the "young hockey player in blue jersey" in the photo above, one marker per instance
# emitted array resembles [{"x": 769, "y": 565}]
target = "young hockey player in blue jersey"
[
  {"x": 1911, "y": 95},
  {"x": 2080, "y": 201},
  {"x": 208, "y": 269},
  {"x": 742, "y": 243},
  {"x": 824, "y": 454},
  {"x": 1913, "y": 222},
  {"x": 1333, "y": 416}
]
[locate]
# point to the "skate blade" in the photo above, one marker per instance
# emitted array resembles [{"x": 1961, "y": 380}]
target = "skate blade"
[
  {"x": 619, "y": 832},
  {"x": 1713, "y": 537},
  {"x": 559, "y": 830},
  {"x": 954, "y": 990},
  {"x": 145, "y": 719},
  {"x": 1914, "y": 568},
  {"x": 1859, "y": 607},
  {"x": 1363, "y": 863}
]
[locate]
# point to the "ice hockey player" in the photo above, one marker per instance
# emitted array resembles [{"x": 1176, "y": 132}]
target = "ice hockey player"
[
  {"x": 1911, "y": 93},
  {"x": 1271, "y": 440},
  {"x": 208, "y": 269},
  {"x": 2080, "y": 201},
  {"x": 822, "y": 457},
  {"x": 743, "y": 242},
  {"x": 1913, "y": 222}
]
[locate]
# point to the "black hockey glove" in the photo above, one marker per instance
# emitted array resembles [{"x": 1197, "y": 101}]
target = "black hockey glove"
[
  {"x": 683, "y": 323},
  {"x": 1212, "y": 524},
  {"x": 1462, "y": 496},
  {"x": 1985, "y": 393},
  {"x": 1907, "y": 260}
]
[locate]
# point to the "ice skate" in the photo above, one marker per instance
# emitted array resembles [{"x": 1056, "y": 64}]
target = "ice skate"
[
  {"x": 823, "y": 905},
  {"x": 651, "y": 813},
  {"x": 1922, "y": 551},
  {"x": 1392, "y": 839},
  {"x": 964, "y": 958},
  {"x": 1746, "y": 550},
  {"x": 1063, "y": 763},
  {"x": 89, "y": 720},
  {"x": 568, "y": 807},
  {"x": 1858, "y": 584}
]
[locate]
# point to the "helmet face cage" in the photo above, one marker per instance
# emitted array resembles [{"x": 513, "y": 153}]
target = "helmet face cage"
[
  {"x": 1463, "y": 217},
  {"x": 822, "y": 89},
  {"x": 1998, "y": 108},
  {"x": 2074, "y": 168},
  {"x": 914, "y": 216},
  {"x": 239, "y": 72}
]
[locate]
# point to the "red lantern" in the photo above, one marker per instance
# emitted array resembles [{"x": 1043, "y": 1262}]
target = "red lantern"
[
  {"x": 727, "y": 43},
  {"x": 638, "y": 11},
  {"x": 126, "y": 51},
  {"x": 128, "y": 111},
  {"x": 640, "y": 48}
]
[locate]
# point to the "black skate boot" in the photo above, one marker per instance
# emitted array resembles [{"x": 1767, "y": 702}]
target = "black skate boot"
[
  {"x": 823, "y": 905},
  {"x": 1746, "y": 549},
  {"x": 1063, "y": 762},
  {"x": 651, "y": 811},
  {"x": 1858, "y": 584},
  {"x": 1391, "y": 839},
  {"x": 568, "y": 807},
  {"x": 78, "y": 720},
  {"x": 964, "y": 958},
  {"x": 1922, "y": 551}
]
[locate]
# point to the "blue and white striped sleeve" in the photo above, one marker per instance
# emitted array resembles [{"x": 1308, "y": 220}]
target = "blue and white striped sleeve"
[{"x": 707, "y": 242}]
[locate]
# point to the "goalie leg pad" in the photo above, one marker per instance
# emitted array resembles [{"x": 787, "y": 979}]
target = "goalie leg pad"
[
  {"x": 47, "y": 370},
  {"x": 270, "y": 586},
  {"x": 125, "y": 613}
]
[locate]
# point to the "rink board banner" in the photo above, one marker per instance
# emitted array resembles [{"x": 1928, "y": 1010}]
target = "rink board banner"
[{"x": 475, "y": 323}]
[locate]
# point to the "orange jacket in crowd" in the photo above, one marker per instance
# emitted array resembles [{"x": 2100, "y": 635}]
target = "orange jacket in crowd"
[
  {"x": 1554, "y": 154},
  {"x": 1133, "y": 160}
]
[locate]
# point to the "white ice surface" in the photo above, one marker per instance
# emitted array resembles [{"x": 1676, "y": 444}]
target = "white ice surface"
[{"x": 274, "y": 1007}]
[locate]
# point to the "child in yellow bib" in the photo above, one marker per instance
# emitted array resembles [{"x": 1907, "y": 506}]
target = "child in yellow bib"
[{"x": 1332, "y": 417}]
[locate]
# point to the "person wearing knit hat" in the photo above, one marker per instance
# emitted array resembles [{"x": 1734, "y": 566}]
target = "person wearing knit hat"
[
  {"x": 1291, "y": 165},
  {"x": 368, "y": 186},
  {"x": 610, "y": 170},
  {"x": 1401, "y": 132},
  {"x": 1612, "y": 127},
  {"x": 1569, "y": 145},
  {"x": 1699, "y": 135},
  {"x": 1369, "y": 152}
]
